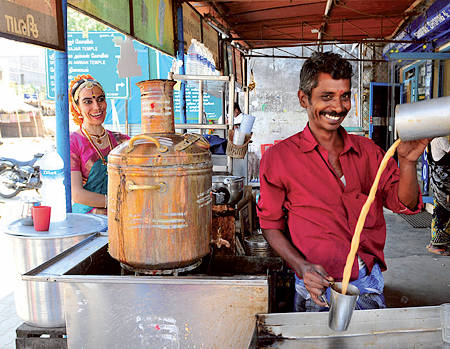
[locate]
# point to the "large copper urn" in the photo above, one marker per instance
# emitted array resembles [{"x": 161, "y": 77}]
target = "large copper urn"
[{"x": 159, "y": 202}]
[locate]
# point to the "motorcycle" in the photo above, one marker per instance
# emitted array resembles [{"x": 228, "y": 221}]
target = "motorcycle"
[{"x": 17, "y": 176}]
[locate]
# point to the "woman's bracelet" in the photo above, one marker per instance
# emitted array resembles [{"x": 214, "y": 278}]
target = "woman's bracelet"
[{"x": 106, "y": 200}]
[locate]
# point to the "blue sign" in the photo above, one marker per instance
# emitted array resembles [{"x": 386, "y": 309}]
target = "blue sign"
[
  {"x": 95, "y": 54},
  {"x": 433, "y": 25},
  {"x": 212, "y": 105}
]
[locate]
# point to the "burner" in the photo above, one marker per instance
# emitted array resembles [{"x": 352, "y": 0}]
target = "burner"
[{"x": 155, "y": 272}]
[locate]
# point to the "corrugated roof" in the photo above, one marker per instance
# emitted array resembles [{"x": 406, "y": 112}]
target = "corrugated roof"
[{"x": 261, "y": 24}]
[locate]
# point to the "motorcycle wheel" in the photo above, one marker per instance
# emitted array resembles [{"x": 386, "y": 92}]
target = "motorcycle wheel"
[{"x": 8, "y": 180}]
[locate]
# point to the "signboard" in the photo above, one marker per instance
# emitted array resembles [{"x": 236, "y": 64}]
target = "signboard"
[
  {"x": 229, "y": 60},
  {"x": 96, "y": 54},
  {"x": 37, "y": 22},
  {"x": 191, "y": 26},
  {"x": 431, "y": 25},
  {"x": 212, "y": 106},
  {"x": 152, "y": 19},
  {"x": 211, "y": 41},
  {"x": 238, "y": 65},
  {"x": 153, "y": 24}
]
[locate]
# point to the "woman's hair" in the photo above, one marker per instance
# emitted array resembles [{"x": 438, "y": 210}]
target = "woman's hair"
[
  {"x": 75, "y": 87},
  {"x": 323, "y": 62}
]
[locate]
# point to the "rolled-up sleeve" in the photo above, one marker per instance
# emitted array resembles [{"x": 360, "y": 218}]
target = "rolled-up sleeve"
[
  {"x": 389, "y": 186},
  {"x": 272, "y": 194}
]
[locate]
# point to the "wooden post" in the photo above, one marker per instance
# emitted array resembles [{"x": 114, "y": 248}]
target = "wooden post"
[
  {"x": 18, "y": 124},
  {"x": 35, "y": 124}
]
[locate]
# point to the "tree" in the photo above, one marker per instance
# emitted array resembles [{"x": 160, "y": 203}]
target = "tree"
[{"x": 76, "y": 21}]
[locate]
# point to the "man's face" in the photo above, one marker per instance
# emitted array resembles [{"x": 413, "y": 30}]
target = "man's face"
[{"x": 329, "y": 103}]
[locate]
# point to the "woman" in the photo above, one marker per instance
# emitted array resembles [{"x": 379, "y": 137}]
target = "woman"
[
  {"x": 439, "y": 159},
  {"x": 90, "y": 145}
]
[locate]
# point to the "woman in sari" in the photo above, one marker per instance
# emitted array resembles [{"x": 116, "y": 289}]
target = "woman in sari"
[{"x": 90, "y": 145}]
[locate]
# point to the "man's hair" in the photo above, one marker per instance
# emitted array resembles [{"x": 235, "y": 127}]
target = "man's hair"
[
  {"x": 236, "y": 106},
  {"x": 323, "y": 62}
]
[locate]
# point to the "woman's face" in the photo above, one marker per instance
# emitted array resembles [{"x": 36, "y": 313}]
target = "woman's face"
[{"x": 92, "y": 104}]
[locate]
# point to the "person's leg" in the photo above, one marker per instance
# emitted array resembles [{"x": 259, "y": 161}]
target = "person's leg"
[
  {"x": 370, "y": 301},
  {"x": 440, "y": 231}
]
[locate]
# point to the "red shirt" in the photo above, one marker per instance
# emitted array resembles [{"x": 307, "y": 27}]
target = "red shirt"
[{"x": 299, "y": 187}]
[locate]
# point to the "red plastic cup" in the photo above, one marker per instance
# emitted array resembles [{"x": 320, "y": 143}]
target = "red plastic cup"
[{"x": 41, "y": 217}]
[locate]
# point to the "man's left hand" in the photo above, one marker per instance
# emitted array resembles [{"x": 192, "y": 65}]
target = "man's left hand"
[{"x": 411, "y": 150}]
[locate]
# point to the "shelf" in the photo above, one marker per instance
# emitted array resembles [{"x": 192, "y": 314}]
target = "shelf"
[
  {"x": 201, "y": 126},
  {"x": 199, "y": 77}
]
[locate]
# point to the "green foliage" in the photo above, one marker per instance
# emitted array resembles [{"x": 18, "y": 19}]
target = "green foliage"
[{"x": 76, "y": 21}]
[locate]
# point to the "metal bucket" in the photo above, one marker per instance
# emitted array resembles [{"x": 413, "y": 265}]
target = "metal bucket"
[
  {"x": 256, "y": 245},
  {"x": 227, "y": 190},
  {"x": 425, "y": 119},
  {"x": 40, "y": 303},
  {"x": 159, "y": 186}
]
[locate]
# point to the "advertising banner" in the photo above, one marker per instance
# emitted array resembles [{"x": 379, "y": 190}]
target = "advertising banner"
[
  {"x": 149, "y": 21},
  {"x": 211, "y": 41},
  {"x": 192, "y": 27}
]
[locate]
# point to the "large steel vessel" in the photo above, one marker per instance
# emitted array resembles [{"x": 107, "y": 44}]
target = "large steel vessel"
[
  {"x": 40, "y": 303},
  {"x": 159, "y": 190}
]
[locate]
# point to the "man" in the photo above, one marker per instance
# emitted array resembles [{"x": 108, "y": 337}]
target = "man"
[
  {"x": 439, "y": 160},
  {"x": 316, "y": 183},
  {"x": 237, "y": 114}
]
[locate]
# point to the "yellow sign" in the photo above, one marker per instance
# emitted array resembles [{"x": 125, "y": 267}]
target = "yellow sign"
[
  {"x": 211, "y": 41},
  {"x": 192, "y": 28}
]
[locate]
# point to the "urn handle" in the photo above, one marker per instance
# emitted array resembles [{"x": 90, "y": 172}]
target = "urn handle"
[
  {"x": 161, "y": 148},
  {"x": 190, "y": 139},
  {"x": 161, "y": 187}
]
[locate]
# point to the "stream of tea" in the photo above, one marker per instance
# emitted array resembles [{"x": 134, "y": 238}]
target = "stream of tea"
[{"x": 362, "y": 217}]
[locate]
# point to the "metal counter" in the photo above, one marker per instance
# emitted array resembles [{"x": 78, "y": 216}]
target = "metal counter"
[
  {"x": 126, "y": 311},
  {"x": 400, "y": 328}
]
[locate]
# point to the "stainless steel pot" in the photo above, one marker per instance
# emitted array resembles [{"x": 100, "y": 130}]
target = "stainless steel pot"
[
  {"x": 227, "y": 190},
  {"x": 40, "y": 303}
]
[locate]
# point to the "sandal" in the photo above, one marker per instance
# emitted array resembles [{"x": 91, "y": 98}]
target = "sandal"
[{"x": 441, "y": 250}]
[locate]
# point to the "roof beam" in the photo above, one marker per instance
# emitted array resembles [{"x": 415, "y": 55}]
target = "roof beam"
[
  {"x": 234, "y": 14},
  {"x": 294, "y": 20},
  {"x": 326, "y": 16},
  {"x": 306, "y": 57},
  {"x": 309, "y": 41}
]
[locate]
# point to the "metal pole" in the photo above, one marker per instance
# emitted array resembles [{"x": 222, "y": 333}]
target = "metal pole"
[
  {"x": 180, "y": 57},
  {"x": 246, "y": 100},
  {"x": 360, "y": 85},
  {"x": 127, "y": 131},
  {"x": 230, "y": 117},
  {"x": 200, "y": 103},
  {"x": 62, "y": 111}
]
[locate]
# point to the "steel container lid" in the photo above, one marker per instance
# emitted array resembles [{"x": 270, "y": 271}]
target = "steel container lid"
[
  {"x": 75, "y": 224},
  {"x": 164, "y": 149}
]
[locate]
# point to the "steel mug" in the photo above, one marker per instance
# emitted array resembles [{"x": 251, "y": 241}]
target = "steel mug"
[
  {"x": 424, "y": 119},
  {"x": 341, "y": 307}
]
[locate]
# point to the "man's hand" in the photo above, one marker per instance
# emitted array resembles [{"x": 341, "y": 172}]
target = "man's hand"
[
  {"x": 411, "y": 150},
  {"x": 316, "y": 281},
  {"x": 315, "y": 277}
]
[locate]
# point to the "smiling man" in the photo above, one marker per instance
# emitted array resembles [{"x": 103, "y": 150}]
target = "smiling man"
[{"x": 314, "y": 184}]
